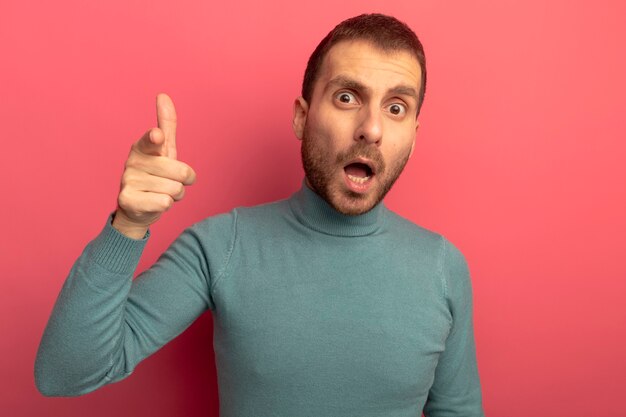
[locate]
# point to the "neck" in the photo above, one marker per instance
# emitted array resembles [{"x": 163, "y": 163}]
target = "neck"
[{"x": 315, "y": 212}]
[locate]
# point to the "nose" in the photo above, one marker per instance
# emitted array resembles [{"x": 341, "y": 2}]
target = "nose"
[{"x": 370, "y": 128}]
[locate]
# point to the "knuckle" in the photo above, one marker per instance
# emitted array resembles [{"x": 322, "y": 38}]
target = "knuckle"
[
  {"x": 128, "y": 178},
  {"x": 132, "y": 160},
  {"x": 124, "y": 200},
  {"x": 124, "y": 180},
  {"x": 129, "y": 204},
  {"x": 121, "y": 199}
]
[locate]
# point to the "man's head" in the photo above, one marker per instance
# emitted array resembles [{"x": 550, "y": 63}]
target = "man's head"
[
  {"x": 357, "y": 117},
  {"x": 385, "y": 32}
]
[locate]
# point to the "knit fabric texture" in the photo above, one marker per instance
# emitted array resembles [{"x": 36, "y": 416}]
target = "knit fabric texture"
[{"x": 315, "y": 313}]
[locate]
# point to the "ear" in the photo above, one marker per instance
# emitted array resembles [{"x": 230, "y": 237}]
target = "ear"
[
  {"x": 417, "y": 125},
  {"x": 300, "y": 112}
]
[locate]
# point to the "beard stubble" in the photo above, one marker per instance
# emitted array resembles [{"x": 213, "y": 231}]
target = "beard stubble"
[{"x": 319, "y": 167}]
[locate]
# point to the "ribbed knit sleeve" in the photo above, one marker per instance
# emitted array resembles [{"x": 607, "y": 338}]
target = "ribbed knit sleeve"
[
  {"x": 104, "y": 322},
  {"x": 456, "y": 389}
]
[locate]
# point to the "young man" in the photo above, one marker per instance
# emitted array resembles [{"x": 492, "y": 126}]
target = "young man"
[{"x": 324, "y": 304}]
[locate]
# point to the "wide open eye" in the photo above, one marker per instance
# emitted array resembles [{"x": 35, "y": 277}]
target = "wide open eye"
[
  {"x": 346, "y": 97},
  {"x": 397, "y": 109}
]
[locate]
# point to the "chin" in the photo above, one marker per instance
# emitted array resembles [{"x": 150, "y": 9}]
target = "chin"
[{"x": 352, "y": 204}]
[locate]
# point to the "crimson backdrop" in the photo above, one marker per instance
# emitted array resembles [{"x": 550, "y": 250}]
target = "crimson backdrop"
[{"x": 519, "y": 162}]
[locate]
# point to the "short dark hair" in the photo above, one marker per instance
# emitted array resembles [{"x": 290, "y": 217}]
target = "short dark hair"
[{"x": 385, "y": 32}]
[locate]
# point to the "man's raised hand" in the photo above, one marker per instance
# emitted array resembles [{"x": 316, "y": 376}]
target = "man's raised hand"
[{"x": 153, "y": 179}]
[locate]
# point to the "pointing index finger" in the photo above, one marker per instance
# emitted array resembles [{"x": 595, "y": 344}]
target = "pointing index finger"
[{"x": 166, "y": 119}]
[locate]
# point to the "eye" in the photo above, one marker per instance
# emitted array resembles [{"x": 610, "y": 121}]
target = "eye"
[
  {"x": 345, "y": 97},
  {"x": 397, "y": 109}
]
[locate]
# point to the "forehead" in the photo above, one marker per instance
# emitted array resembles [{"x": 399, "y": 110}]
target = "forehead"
[{"x": 371, "y": 66}]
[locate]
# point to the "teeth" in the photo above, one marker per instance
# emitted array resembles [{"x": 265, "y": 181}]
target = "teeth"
[{"x": 358, "y": 180}]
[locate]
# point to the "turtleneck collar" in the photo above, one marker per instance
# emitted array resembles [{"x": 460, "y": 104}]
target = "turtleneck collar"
[{"x": 314, "y": 212}]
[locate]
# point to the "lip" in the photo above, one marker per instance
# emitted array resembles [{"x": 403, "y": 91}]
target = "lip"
[
  {"x": 357, "y": 187},
  {"x": 363, "y": 161}
]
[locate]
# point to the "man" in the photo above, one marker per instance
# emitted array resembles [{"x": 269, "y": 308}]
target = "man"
[{"x": 324, "y": 304}]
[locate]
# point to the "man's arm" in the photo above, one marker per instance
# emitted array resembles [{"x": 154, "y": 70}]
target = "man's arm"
[
  {"x": 456, "y": 389},
  {"x": 103, "y": 323}
]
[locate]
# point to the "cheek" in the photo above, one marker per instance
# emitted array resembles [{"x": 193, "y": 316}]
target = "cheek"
[
  {"x": 326, "y": 133},
  {"x": 402, "y": 136},
  {"x": 334, "y": 124},
  {"x": 399, "y": 149}
]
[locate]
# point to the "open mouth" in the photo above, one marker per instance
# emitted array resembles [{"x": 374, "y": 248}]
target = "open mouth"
[{"x": 359, "y": 172}]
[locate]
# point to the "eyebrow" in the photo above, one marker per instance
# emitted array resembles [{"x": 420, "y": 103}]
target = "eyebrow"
[{"x": 347, "y": 82}]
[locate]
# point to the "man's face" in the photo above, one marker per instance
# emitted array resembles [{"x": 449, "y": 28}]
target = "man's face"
[{"x": 359, "y": 128}]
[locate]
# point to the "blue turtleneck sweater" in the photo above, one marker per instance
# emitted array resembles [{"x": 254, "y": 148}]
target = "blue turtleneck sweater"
[{"x": 315, "y": 313}]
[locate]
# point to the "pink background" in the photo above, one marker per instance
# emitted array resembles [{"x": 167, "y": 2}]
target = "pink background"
[{"x": 519, "y": 161}]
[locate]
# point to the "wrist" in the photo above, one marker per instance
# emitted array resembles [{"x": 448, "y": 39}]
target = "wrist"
[{"x": 125, "y": 226}]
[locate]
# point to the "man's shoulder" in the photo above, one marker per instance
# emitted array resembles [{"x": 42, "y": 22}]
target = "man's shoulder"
[
  {"x": 433, "y": 242},
  {"x": 257, "y": 212},
  {"x": 413, "y": 233},
  {"x": 406, "y": 227}
]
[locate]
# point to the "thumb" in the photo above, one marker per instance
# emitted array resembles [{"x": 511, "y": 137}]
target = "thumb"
[
  {"x": 166, "y": 119},
  {"x": 151, "y": 143}
]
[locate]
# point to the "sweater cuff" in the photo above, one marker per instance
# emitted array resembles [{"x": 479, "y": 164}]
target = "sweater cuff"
[{"x": 115, "y": 251}]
